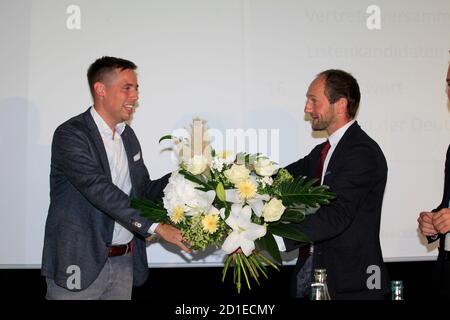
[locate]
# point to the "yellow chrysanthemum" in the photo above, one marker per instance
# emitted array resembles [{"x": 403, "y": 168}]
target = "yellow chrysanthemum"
[
  {"x": 210, "y": 223},
  {"x": 177, "y": 214},
  {"x": 246, "y": 189}
]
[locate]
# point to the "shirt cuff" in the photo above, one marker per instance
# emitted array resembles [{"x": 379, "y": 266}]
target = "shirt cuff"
[
  {"x": 280, "y": 243},
  {"x": 153, "y": 227}
]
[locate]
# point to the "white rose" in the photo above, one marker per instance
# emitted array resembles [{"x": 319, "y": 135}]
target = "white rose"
[
  {"x": 197, "y": 165},
  {"x": 237, "y": 173},
  {"x": 265, "y": 167},
  {"x": 273, "y": 210}
]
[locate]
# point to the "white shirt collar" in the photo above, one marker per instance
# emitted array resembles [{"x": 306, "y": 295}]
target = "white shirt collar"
[
  {"x": 103, "y": 126},
  {"x": 339, "y": 133},
  {"x": 334, "y": 140}
]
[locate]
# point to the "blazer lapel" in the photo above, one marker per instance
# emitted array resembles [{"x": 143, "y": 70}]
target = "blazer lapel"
[
  {"x": 341, "y": 147},
  {"x": 96, "y": 137}
]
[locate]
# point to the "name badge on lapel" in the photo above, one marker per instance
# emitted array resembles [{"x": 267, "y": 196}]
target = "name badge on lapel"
[{"x": 137, "y": 156}]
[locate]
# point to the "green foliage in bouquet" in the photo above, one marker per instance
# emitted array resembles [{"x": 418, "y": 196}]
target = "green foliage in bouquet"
[
  {"x": 198, "y": 236},
  {"x": 153, "y": 210}
]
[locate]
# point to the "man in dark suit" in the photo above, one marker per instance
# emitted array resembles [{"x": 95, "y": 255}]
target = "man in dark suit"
[
  {"x": 345, "y": 233},
  {"x": 94, "y": 246},
  {"x": 436, "y": 225}
]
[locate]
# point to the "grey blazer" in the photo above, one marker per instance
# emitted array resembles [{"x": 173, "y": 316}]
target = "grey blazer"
[{"x": 84, "y": 203}]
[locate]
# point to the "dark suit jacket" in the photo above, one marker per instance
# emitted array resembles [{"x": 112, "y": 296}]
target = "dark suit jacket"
[
  {"x": 84, "y": 203},
  {"x": 446, "y": 195},
  {"x": 345, "y": 233},
  {"x": 442, "y": 272}
]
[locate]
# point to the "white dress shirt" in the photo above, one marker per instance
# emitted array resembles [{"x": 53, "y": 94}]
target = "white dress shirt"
[
  {"x": 334, "y": 140},
  {"x": 118, "y": 165}
]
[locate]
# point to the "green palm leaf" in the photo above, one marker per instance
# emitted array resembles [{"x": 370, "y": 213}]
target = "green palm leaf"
[
  {"x": 165, "y": 138},
  {"x": 288, "y": 231},
  {"x": 268, "y": 244},
  {"x": 204, "y": 185},
  {"x": 295, "y": 214},
  {"x": 152, "y": 210},
  {"x": 302, "y": 191}
]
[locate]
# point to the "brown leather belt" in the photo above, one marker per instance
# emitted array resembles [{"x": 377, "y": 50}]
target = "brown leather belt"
[{"x": 120, "y": 250}]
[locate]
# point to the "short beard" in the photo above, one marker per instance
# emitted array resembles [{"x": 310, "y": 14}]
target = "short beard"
[{"x": 319, "y": 126}]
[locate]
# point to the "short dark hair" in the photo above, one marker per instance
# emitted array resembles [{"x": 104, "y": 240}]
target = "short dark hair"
[
  {"x": 341, "y": 84},
  {"x": 105, "y": 65}
]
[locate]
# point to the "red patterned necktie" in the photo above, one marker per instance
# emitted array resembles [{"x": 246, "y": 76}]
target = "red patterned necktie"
[{"x": 323, "y": 155}]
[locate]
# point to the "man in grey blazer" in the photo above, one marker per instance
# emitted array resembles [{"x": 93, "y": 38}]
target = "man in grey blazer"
[{"x": 94, "y": 246}]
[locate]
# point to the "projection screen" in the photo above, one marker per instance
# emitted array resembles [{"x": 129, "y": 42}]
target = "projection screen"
[{"x": 242, "y": 65}]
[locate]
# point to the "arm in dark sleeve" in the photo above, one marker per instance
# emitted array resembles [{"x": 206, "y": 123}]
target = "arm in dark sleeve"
[
  {"x": 305, "y": 166},
  {"x": 148, "y": 188},
  {"x": 362, "y": 171},
  {"x": 445, "y": 195},
  {"x": 76, "y": 157},
  {"x": 154, "y": 188},
  {"x": 301, "y": 167}
]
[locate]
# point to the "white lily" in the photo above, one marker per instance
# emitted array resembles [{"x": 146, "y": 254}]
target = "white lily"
[
  {"x": 254, "y": 200},
  {"x": 201, "y": 204},
  {"x": 244, "y": 233},
  {"x": 181, "y": 192}
]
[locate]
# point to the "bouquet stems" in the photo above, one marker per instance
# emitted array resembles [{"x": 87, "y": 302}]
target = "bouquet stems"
[{"x": 251, "y": 267}]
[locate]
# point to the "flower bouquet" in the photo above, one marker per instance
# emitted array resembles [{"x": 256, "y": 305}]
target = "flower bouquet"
[{"x": 237, "y": 203}]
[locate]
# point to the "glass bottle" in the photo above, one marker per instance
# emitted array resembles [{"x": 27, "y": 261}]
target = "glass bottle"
[
  {"x": 320, "y": 276},
  {"x": 396, "y": 290},
  {"x": 317, "y": 291}
]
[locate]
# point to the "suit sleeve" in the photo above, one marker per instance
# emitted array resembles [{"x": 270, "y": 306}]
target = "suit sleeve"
[
  {"x": 306, "y": 165},
  {"x": 154, "y": 188},
  {"x": 361, "y": 170},
  {"x": 444, "y": 202},
  {"x": 445, "y": 195},
  {"x": 146, "y": 188},
  {"x": 302, "y": 167},
  {"x": 150, "y": 189},
  {"x": 76, "y": 157}
]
